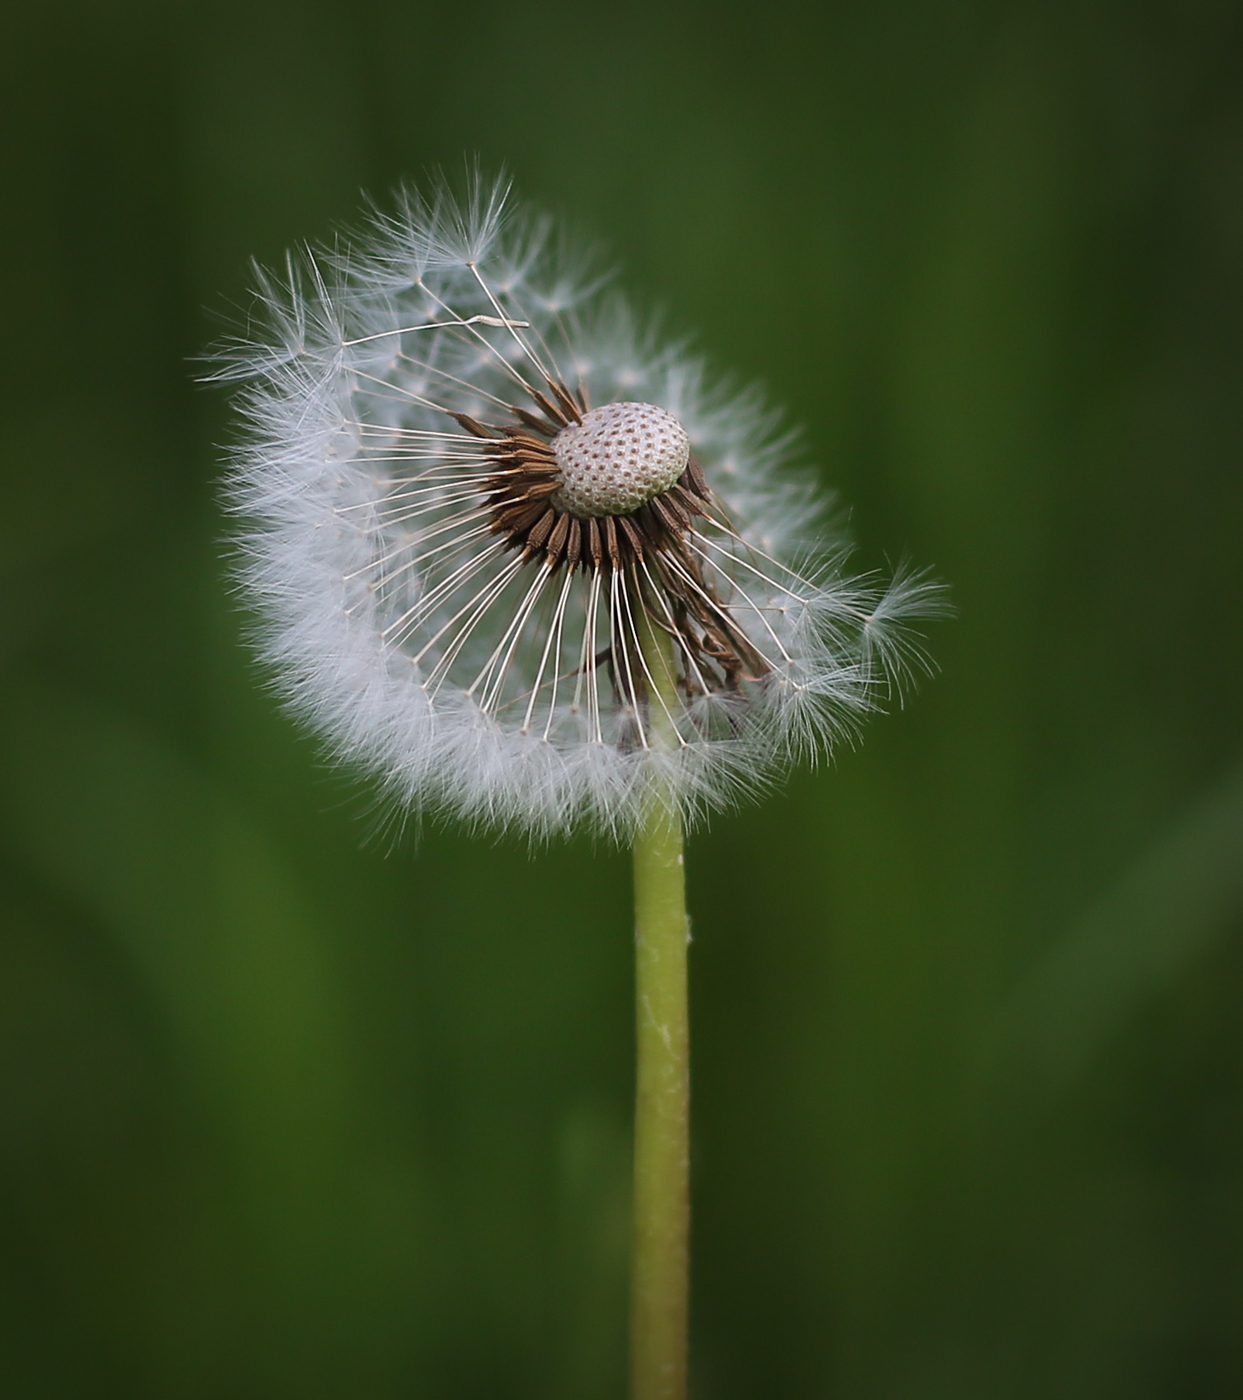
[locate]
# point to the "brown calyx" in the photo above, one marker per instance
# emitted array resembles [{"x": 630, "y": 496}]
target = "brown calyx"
[{"x": 648, "y": 546}]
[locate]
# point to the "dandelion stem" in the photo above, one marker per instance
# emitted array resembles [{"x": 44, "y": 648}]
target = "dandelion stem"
[{"x": 659, "y": 1267}]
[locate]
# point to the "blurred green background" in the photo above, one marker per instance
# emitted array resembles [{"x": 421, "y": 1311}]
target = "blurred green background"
[{"x": 282, "y": 1114}]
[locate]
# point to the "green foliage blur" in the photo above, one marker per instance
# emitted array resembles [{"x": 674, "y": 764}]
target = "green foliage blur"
[{"x": 287, "y": 1114}]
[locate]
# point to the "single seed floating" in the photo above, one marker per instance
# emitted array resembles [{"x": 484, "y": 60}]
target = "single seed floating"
[{"x": 619, "y": 457}]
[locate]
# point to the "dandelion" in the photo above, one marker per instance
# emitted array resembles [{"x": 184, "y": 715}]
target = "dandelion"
[{"x": 529, "y": 567}]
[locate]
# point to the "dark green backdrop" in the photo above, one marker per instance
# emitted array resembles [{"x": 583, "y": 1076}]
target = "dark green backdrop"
[{"x": 285, "y": 1116}]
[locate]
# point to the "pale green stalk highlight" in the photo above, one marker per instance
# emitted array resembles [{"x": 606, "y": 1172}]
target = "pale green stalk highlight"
[{"x": 659, "y": 1265}]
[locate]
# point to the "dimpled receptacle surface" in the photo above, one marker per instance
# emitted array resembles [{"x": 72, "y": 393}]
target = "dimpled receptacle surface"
[{"x": 619, "y": 456}]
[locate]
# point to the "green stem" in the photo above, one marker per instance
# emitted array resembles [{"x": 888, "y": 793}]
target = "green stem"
[{"x": 659, "y": 1267}]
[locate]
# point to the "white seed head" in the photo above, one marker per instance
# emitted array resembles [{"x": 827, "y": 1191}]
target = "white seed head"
[
  {"x": 457, "y": 580},
  {"x": 618, "y": 457}
]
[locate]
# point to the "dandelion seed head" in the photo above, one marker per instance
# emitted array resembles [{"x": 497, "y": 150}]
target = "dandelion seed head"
[{"x": 474, "y": 486}]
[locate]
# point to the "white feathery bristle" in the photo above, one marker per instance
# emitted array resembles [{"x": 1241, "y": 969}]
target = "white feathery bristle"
[{"x": 618, "y": 457}]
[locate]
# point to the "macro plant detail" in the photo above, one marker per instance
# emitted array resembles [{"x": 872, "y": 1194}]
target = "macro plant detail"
[
  {"x": 473, "y": 480},
  {"x": 529, "y": 567},
  {"x": 613, "y": 490}
]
